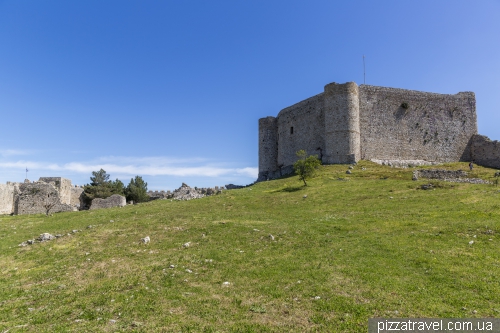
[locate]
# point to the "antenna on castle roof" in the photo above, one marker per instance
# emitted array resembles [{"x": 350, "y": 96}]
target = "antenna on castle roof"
[{"x": 364, "y": 71}]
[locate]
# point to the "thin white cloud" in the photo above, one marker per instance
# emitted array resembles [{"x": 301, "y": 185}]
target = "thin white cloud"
[
  {"x": 150, "y": 166},
  {"x": 13, "y": 152}
]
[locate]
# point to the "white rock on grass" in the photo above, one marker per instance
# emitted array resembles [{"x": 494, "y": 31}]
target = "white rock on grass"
[
  {"x": 226, "y": 283},
  {"x": 471, "y": 242},
  {"x": 271, "y": 237},
  {"x": 188, "y": 244},
  {"x": 146, "y": 240},
  {"x": 45, "y": 237}
]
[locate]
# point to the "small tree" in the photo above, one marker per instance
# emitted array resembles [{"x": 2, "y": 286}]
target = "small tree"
[
  {"x": 137, "y": 190},
  {"x": 306, "y": 166}
]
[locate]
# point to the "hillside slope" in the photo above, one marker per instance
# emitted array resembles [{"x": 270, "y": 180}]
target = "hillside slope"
[{"x": 261, "y": 259}]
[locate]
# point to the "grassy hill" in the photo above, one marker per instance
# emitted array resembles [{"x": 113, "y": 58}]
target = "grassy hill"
[{"x": 370, "y": 245}]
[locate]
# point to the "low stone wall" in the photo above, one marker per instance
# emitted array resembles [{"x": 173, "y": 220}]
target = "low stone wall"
[
  {"x": 486, "y": 152},
  {"x": 404, "y": 163},
  {"x": 115, "y": 200},
  {"x": 439, "y": 174}
]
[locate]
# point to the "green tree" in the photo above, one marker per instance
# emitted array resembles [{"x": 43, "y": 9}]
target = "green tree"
[
  {"x": 101, "y": 187},
  {"x": 306, "y": 166},
  {"x": 137, "y": 190}
]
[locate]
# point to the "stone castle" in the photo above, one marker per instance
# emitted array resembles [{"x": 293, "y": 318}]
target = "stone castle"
[
  {"x": 35, "y": 197},
  {"x": 346, "y": 123}
]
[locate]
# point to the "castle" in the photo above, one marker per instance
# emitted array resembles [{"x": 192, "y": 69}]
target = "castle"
[
  {"x": 347, "y": 123},
  {"x": 35, "y": 197}
]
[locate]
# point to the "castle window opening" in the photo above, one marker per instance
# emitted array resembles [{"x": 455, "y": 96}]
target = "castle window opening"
[{"x": 291, "y": 130}]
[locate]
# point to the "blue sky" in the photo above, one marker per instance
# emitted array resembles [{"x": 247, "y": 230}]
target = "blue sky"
[{"x": 173, "y": 90}]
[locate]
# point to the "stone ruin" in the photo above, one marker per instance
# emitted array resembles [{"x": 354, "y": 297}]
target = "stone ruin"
[
  {"x": 185, "y": 192},
  {"x": 454, "y": 176},
  {"x": 115, "y": 200},
  {"x": 55, "y": 194}
]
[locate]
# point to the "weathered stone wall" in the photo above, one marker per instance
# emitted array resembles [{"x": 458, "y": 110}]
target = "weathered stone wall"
[
  {"x": 63, "y": 186},
  {"x": 76, "y": 199},
  {"x": 341, "y": 124},
  {"x": 115, "y": 200},
  {"x": 433, "y": 127},
  {"x": 34, "y": 197},
  {"x": 438, "y": 174},
  {"x": 268, "y": 145},
  {"x": 301, "y": 126},
  {"x": 486, "y": 152},
  {"x": 7, "y": 196}
]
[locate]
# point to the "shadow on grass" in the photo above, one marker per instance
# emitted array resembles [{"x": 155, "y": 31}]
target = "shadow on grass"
[{"x": 288, "y": 189}]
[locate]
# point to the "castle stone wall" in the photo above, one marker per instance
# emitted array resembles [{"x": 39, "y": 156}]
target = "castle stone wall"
[
  {"x": 341, "y": 125},
  {"x": 63, "y": 186},
  {"x": 268, "y": 145},
  {"x": 300, "y": 126},
  {"x": 7, "y": 196},
  {"x": 433, "y": 127},
  {"x": 34, "y": 196},
  {"x": 76, "y": 197},
  {"x": 486, "y": 152}
]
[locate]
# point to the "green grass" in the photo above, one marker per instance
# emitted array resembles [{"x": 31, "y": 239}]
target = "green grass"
[{"x": 373, "y": 246}]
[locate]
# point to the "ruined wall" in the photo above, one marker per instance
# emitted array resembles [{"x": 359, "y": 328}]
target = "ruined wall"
[
  {"x": 7, "y": 196},
  {"x": 115, "y": 200},
  {"x": 76, "y": 197},
  {"x": 63, "y": 186},
  {"x": 33, "y": 198},
  {"x": 486, "y": 152},
  {"x": 301, "y": 126},
  {"x": 432, "y": 127}
]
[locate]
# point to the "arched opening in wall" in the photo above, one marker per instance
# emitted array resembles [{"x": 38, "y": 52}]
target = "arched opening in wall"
[{"x": 291, "y": 130}]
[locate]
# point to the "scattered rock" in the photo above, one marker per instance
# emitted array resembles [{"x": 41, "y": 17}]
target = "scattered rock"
[
  {"x": 350, "y": 167},
  {"x": 471, "y": 242},
  {"x": 111, "y": 221},
  {"x": 427, "y": 187},
  {"x": 171, "y": 266},
  {"x": 348, "y": 172},
  {"x": 271, "y": 237},
  {"x": 317, "y": 297},
  {"x": 305, "y": 196},
  {"x": 189, "y": 271},
  {"x": 145, "y": 240},
  {"x": 45, "y": 237},
  {"x": 226, "y": 283},
  {"x": 186, "y": 244}
]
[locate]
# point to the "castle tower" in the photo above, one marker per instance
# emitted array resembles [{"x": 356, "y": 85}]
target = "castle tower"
[
  {"x": 268, "y": 146},
  {"x": 342, "y": 134}
]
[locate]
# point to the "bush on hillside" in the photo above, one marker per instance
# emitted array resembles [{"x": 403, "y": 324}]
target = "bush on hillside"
[
  {"x": 137, "y": 190},
  {"x": 306, "y": 166},
  {"x": 101, "y": 187}
]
